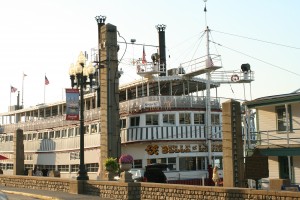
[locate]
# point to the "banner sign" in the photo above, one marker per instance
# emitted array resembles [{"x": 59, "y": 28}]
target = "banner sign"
[{"x": 72, "y": 103}]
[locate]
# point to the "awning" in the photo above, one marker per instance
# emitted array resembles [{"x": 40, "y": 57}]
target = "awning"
[
  {"x": 279, "y": 152},
  {"x": 3, "y": 157}
]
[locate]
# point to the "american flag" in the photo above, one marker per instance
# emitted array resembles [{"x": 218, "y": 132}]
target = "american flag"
[
  {"x": 46, "y": 81},
  {"x": 13, "y": 89}
]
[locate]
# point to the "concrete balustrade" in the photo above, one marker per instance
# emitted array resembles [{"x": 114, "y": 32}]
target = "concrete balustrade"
[{"x": 143, "y": 191}]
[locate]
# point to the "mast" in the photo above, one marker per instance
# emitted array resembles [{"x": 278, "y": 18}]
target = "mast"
[{"x": 208, "y": 105}]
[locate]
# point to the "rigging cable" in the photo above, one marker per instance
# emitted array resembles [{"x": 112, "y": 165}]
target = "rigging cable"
[
  {"x": 258, "y": 59},
  {"x": 283, "y": 45},
  {"x": 221, "y": 61}
]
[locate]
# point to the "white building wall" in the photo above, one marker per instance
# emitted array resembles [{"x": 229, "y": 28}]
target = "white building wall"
[
  {"x": 296, "y": 164},
  {"x": 273, "y": 167}
]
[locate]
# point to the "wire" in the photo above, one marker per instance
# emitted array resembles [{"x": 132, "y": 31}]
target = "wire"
[
  {"x": 283, "y": 45},
  {"x": 125, "y": 46},
  {"x": 259, "y": 59}
]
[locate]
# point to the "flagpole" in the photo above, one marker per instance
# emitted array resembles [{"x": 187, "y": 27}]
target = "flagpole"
[
  {"x": 44, "y": 89},
  {"x": 23, "y": 91},
  {"x": 10, "y": 98}
]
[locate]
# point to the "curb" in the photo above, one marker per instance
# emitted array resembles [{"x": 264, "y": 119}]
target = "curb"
[{"x": 30, "y": 195}]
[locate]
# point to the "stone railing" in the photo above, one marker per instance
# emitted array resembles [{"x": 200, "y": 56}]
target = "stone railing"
[{"x": 143, "y": 191}]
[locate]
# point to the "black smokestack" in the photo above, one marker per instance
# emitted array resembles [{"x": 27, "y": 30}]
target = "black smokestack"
[{"x": 162, "y": 48}]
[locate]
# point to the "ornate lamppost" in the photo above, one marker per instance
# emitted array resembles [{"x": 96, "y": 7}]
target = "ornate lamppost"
[{"x": 78, "y": 75}]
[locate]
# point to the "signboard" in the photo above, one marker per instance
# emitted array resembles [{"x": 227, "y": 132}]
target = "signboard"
[
  {"x": 72, "y": 104},
  {"x": 256, "y": 167},
  {"x": 151, "y": 104}
]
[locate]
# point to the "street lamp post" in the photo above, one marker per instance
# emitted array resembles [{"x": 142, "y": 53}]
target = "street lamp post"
[{"x": 81, "y": 73}]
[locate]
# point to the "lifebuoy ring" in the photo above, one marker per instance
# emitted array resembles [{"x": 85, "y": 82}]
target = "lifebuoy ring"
[{"x": 235, "y": 78}]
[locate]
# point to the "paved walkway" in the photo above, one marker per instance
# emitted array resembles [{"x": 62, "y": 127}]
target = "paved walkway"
[{"x": 45, "y": 194}]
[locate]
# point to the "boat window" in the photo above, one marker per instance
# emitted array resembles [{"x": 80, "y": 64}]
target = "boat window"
[
  {"x": 94, "y": 128},
  {"x": 64, "y": 133},
  {"x": 201, "y": 163},
  {"x": 45, "y": 135},
  {"x": 34, "y": 136},
  {"x": 57, "y": 134},
  {"x": 29, "y": 136},
  {"x": 51, "y": 134},
  {"x": 134, "y": 121},
  {"x": 70, "y": 132},
  {"x": 122, "y": 123},
  {"x": 187, "y": 163},
  {"x": 168, "y": 119},
  {"x": 138, "y": 164},
  {"x": 215, "y": 119},
  {"x": 87, "y": 129},
  {"x": 77, "y": 131},
  {"x": 184, "y": 118},
  {"x": 198, "y": 118},
  {"x": 152, "y": 119},
  {"x": 40, "y": 136}
]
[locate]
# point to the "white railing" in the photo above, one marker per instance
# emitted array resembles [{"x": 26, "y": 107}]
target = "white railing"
[{"x": 166, "y": 103}]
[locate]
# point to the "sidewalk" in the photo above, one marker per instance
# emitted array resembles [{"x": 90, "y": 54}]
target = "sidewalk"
[{"x": 47, "y": 195}]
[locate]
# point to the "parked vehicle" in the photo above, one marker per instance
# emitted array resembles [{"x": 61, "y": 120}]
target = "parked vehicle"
[
  {"x": 154, "y": 173},
  {"x": 137, "y": 174}
]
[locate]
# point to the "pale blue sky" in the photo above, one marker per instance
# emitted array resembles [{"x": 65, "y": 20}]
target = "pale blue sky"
[{"x": 41, "y": 37}]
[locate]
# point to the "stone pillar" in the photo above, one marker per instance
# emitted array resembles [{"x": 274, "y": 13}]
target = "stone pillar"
[
  {"x": 109, "y": 94},
  {"x": 18, "y": 156},
  {"x": 233, "y": 160}
]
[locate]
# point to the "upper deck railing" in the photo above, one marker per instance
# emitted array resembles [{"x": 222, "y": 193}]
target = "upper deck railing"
[
  {"x": 166, "y": 103},
  {"x": 49, "y": 122}
]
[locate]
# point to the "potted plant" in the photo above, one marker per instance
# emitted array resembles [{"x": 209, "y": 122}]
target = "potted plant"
[
  {"x": 111, "y": 164},
  {"x": 125, "y": 162}
]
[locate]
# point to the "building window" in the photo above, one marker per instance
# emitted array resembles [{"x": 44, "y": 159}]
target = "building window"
[
  {"x": 169, "y": 119},
  {"x": 134, "y": 121},
  {"x": 63, "y": 168},
  {"x": 74, "y": 168},
  {"x": 185, "y": 118},
  {"x": 151, "y": 119},
  {"x": 282, "y": 123},
  {"x": 122, "y": 123},
  {"x": 215, "y": 119},
  {"x": 199, "y": 118},
  {"x": 9, "y": 166},
  {"x": 92, "y": 167}
]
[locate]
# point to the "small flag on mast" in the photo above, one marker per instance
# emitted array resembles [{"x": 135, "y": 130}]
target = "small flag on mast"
[
  {"x": 144, "y": 61},
  {"x": 13, "y": 89},
  {"x": 46, "y": 81}
]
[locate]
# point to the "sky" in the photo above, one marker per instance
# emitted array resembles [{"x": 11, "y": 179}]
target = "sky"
[{"x": 43, "y": 37}]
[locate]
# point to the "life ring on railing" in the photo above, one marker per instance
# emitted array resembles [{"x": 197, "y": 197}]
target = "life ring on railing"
[{"x": 235, "y": 78}]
